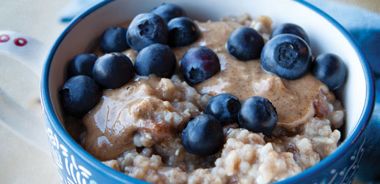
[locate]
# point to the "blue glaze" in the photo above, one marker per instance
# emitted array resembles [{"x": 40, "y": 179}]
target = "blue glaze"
[
  {"x": 352, "y": 143},
  {"x": 100, "y": 172},
  {"x": 323, "y": 172},
  {"x": 369, "y": 169}
]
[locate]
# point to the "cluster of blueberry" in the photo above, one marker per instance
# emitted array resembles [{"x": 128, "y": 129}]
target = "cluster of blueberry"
[
  {"x": 203, "y": 135},
  {"x": 287, "y": 54},
  {"x": 150, "y": 34}
]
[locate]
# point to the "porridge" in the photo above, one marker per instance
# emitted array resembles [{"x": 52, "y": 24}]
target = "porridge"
[{"x": 138, "y": 127}]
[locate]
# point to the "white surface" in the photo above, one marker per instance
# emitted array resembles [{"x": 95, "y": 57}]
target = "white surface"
[
  {"x": 32, "y": 54},
  {"x": 22, "y": 162}
]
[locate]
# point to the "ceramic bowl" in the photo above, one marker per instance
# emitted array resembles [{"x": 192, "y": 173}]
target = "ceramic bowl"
[{"x": 326, "y": 35}]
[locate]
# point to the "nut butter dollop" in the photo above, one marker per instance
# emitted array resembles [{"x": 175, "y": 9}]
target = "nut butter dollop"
[
  {"x": 140, "y": 113},
  {"x": 293, "y": 99}
]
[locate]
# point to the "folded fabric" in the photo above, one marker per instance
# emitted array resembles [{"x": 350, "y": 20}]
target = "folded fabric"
[
  {"x": 363, "y": 25},
  {"x": 365, "y": 28}
]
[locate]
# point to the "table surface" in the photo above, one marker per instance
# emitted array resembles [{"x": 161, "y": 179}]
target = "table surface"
[
  {"x": 18, "y": 156},
  {"x": 22, "y": 162}
]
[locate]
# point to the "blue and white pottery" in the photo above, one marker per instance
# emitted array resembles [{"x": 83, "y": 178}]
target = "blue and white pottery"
[{"x": 76, "y": 166}]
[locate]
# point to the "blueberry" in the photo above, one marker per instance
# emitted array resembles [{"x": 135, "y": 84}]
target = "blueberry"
[
  {"x": 113, "y": 70},
  {"x": 156, "y": 59},
  {"x": 257, "y": 114},
  {"x": 199, "y": 64},
  {"x": 168, "y": 11},
  {"x": 114, "y": 40},
  {"x": 203, "y": 135},
  {"x": 329, "y": 69},
  {"x": 287, "y": 56},
  {"x": 224, "y": 107},
  {"x": 182, "y": 31},
  {"x": 82, "y": 64},
  {"x": 79, "y": 94},
  {"x": 289, "y": 28},
  {"x": 245, "y": 44},
  {"x": 146, "y": 29}
]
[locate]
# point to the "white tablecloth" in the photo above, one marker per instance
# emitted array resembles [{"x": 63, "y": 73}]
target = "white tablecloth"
[{"x": 22, "y": 162}]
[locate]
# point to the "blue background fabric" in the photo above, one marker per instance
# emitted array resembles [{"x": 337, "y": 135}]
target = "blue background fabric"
[{"x": 364, "y": 27}]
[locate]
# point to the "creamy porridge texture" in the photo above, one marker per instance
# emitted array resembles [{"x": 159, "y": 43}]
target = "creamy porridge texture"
[
  {"x": 141, "y": 113},
  {"x": 136, "y": 129}
]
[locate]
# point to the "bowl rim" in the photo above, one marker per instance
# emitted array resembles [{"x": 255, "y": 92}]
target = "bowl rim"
[{"x": 97, "y": 165}]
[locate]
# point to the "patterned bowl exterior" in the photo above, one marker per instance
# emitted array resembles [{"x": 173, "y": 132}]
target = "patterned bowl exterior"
[{"x": 73, "y": 170}]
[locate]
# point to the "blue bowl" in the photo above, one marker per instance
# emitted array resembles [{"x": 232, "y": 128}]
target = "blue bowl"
[{"x": 77, "y": 166}]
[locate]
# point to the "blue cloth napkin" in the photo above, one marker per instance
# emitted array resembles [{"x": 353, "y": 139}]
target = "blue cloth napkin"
[
  {"x": 363, "y": 25},
  {"x": 365, "y": 28}
]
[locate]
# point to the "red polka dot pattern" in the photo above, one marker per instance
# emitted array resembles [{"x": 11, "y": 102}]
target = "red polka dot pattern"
[
  {"x": 20, "y": 42},
  {"x": 4, "y": 38}
]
